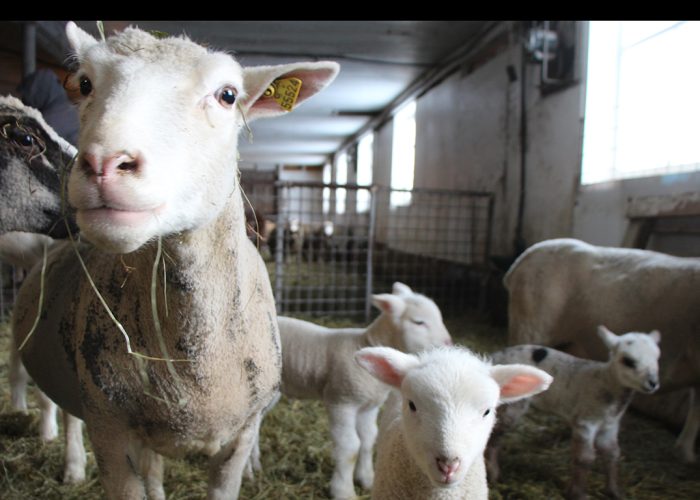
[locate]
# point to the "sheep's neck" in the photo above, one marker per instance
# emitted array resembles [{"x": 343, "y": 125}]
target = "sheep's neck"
[{"x": 381, "y": 332}]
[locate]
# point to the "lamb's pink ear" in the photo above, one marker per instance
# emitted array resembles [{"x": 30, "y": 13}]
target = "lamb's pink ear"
[
  {"x": 386, "y": 364},
  {"x": 314, "y": 77},
  {"x": 609, "y": 338},
  {"x": 519, "y": 381},
  {"x": 390, "y": 304},
  {"x": 79, "y": 40},
  {"x": 655, "y": 336}
]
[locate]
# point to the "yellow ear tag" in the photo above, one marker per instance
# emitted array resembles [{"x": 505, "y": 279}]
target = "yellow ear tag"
[{"x": 285, "y": 91}]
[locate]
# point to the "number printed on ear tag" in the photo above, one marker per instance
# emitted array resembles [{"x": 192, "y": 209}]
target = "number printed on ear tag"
[{"x": 286, "y": 92}]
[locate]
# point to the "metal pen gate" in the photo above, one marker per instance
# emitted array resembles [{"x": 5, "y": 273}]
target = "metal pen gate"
[{"x": 335, "y": 245}]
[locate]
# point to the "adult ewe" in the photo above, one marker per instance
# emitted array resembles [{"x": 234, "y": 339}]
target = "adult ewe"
[
  {"x": 156, "y": 192},
  {"x": 561, "y": 290}
]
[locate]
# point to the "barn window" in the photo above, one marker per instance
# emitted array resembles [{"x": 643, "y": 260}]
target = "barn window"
[
  {"x": 365, "y": 154},
  {"x": 642, "y": 100},
  {"x": 341, "y": 177},
  {"x": 403, "y": 154},
  {"x": 327, "y": 172}
]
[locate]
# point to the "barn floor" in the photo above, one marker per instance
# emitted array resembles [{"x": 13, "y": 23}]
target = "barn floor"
[{"x": 296, "y": 452}]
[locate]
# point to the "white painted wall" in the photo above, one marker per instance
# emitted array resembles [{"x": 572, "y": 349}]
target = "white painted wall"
[{"x": 468, "y": 138}]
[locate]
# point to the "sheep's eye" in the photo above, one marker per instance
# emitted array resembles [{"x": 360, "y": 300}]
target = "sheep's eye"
[
  {"x": 85, "y": 86},
  {"x": 628, "y": 362},
  {"x": 417, "y": 321},
  {"x": 227, "y": 97},
  {"x": 487, "y": 412},
  {"x": 22, "y": 138},
  {"x": 412, "y": 406}
]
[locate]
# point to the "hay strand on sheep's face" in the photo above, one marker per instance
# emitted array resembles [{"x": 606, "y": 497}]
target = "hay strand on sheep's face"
[{"x": 41, "y": 298}]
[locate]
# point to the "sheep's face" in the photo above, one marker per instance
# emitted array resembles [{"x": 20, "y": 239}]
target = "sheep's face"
[
  {"x": 31, "y": 157},
  {"x": 635, "y": 358},
  {"x": 448, "y": 413},
  {"x": 159, "y": 126},
  {"x": 417, "y": 319}
]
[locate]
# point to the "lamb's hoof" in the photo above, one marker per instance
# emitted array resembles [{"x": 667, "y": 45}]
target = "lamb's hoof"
[
  {"x": 74, "y": 475},
  {"x": 342, "y": 493},
  {"x": 685, "y": 454}
]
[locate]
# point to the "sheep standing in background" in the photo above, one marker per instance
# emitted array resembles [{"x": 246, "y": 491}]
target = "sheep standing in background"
[
  {"x": 32, "y": 159},
  {"x": 432, "y": 436},
  {"x": 592, "y": 396},
  {"x": 157, "y": 170},
  {"x": 561, "y": 290},
  {"x": 318, "y": 364}
]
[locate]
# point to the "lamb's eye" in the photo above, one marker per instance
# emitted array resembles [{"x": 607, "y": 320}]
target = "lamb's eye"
[
  {"x": 85, "y": 86},
  {"x": 629, "y": 362},
  {"x": 226, "y": 97},
  {"x": 487, "y": 412},
  {"x": 411, "y": 406},
  {"x": 418, "y": 322}
]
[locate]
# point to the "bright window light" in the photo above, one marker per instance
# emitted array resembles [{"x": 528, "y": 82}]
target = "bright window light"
[
  {"x": 326, "y": 191},
  {"x": 341, "y": 177},
  {"x": 365, "y": 154},
  {"x": 642, "y": 99},
  {"x": 403, "y": 154}
]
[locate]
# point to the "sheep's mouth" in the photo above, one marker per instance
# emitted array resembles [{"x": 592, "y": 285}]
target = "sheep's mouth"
[{"x": 119, "y": 216}]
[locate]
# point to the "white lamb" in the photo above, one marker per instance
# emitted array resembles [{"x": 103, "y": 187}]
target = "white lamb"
[
  {"x": 592, "y": 396},
  {"x": 157, "y": 172},
  {"x": 318, "y": 364},
  {"x": 432, "y": 436}
]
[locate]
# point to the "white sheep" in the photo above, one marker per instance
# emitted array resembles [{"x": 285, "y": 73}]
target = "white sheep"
[
  {"x": 432, "y": 436},
  {"x": 560, "y": 290},
  {"x": 317, "y": 363},
  {"x": 591, "y": 396},
  {"x": 32, "y": 159},
  {"x": 157, "y": 172}
]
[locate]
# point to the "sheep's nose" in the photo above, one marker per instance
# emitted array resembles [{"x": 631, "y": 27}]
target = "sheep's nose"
[
  {"x": 107, "y": 166},
  {"x": 652, "y": 384},
  {"x": 448, "y": 466}
]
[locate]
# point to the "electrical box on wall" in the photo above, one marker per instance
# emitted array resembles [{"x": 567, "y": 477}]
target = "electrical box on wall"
[{"x": 554, "y": 46}]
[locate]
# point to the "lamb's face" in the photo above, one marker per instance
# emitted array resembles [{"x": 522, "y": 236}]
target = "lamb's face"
[
  {"x": 448, "y": 415},
  {"x": 158, "y": 138},
  {"x": 422, "y": 325},
  {"x": 31, "y": 156},
  {"x": 635, "y": 359}
]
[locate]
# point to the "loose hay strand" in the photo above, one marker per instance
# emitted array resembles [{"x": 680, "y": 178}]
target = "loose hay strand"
[{"x": 41, "y": 298}]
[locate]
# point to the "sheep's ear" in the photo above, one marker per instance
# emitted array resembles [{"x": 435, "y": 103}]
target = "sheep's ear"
[
  {"x": 519, "y": 381},
  {"x": 79, "y": 40},
  {"x": 655, "y": 336},
  {"x": 401, "y": 289},
  {"x": 608, "y": 337},
  {"x": 389, "y": 304},
  {"x": 386, "y": 364},
  {"x": 314, "y": 77}
]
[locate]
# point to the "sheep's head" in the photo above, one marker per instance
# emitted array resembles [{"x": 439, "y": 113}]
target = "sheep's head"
[
  {"x": 634, "y": 357},
  {"x": 159, "y": 125},
  {"x": 449, "y": 400},
  {"x": 32, "y": 157},
  {"x": 416, "y": 319}
]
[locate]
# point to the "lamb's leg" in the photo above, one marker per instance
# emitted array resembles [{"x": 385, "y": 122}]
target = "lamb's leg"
[
  {"x": 18, "y": 379},
  {"x": 607, "y": 445},
  {"x": 346, "y": 445},
  {"x": 74, "y": 469},
  {"x": 687, "y": 437},
  {"x": 226, "y": 467},
  {"x": 151, "y": 469},
  {"x": 117, "y": 455},
  {"x": 253, "y": 463},
  {"x": 367, "y": 431},
  {"x": 583, "y": 458},
  {"x": 48, "y": 428}
]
